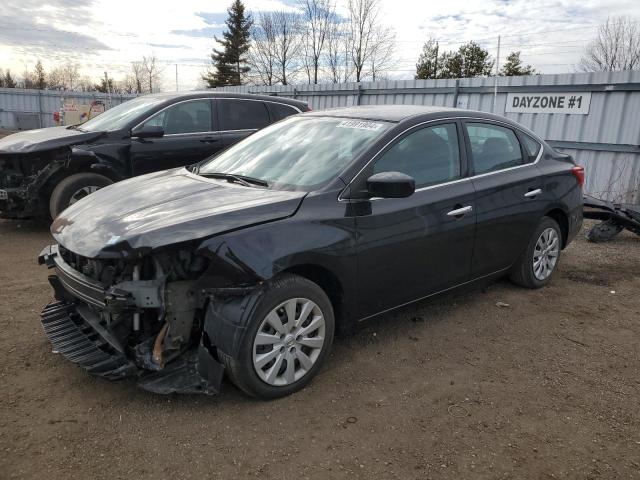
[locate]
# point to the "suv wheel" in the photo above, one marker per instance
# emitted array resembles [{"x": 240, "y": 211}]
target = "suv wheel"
[
  {"x": 537, "y": 264},
  {"x": 73, "y": 188},
  {"x": 288, "y": 337}
]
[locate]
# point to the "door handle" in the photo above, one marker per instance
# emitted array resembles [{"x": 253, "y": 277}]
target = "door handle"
[
  {"x": 209, "y": 140},
  {"x": 533, "y": 193},
  {"x": 458, "y": 212}
]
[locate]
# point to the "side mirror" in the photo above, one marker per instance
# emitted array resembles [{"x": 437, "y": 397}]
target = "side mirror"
[
  {"x": 391, "y": 185},
  {"x": 148, "y": 131}
]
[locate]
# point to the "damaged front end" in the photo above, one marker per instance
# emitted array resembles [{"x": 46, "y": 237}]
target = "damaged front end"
[
  {"x": 135, "y": 316},
  {"x": 22, "y": 177}
]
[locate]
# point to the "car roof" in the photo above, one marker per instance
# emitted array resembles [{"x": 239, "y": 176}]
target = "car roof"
[
  {"x": 399, "y": 113},
  {"x": 213, "y": 93}
]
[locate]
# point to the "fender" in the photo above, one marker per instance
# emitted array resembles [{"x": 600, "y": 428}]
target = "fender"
[
  {"x": 250, "y": 257},
  {"x": 84, "y": 159}
]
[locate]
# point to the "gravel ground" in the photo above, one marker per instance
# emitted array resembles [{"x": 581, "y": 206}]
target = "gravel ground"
[{"x": 460, "y": 388}]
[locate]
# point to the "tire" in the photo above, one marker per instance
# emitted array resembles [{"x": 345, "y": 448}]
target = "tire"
[
  {"x": 604, "y": 231},
  {"x": 70, "y": 189},
  {"x": 528, "y": 274},
  {"x": 283, "y": 290}
]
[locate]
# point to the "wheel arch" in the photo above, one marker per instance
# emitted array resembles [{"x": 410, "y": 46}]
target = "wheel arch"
[
  {"x": 327, "y": 280},
  {"x": 562, "y": 218}
]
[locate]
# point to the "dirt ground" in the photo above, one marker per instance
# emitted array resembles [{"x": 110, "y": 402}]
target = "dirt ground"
[{"x": 547, "y": 387}]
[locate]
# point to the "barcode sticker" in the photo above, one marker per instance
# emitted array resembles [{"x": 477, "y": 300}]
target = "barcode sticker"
[{"x": 360, "y": 125}]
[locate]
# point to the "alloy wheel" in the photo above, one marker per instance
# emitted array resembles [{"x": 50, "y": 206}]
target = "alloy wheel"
[
  {"x": 289, "y": 342},
  {"x": 545, "y": 254},
  {"x": 82, "y": 192}
]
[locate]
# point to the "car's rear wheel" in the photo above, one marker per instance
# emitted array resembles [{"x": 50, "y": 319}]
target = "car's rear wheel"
[
  {"x": 289, "y": 336},
  {"x": 73, "y": 188},
  {"x": 538, "y": 263}
]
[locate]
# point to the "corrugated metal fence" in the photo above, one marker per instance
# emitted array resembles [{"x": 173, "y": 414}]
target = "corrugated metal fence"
[
  {"x": 42, "y": 104},
  {"x": 606, "y": 141}
]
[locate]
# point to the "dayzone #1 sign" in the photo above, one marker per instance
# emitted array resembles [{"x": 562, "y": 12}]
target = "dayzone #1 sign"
[{"x": 576, "y": 103}]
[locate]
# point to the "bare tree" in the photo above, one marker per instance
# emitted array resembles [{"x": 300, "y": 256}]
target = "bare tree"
[
  {"x": 55, "y": 79},
  {"x": 337, "y": 52},
  {"x": 287, "y": 46},
  {"x": 382, "y": 49},
  {"x": 318, "y": 18},
  {"x": 616, "y": 47},
  {"x": 262, "y": 54},
  {"x": 152, "y": 73},
  {"x": 70, "y": 75},
  {"x": 138, "y": 75},
  {"x": 369, "y": 38}
]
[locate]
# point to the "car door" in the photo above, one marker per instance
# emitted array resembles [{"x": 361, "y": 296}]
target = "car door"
[
  {"x": 239, "y": 118},
  {"x": 408, "y": 248},
  {"x": 189, "y": 136},
  {"x": 508, "y": 190}
]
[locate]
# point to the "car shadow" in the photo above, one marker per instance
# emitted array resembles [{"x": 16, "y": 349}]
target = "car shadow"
[{"x": 413, "y": 321}]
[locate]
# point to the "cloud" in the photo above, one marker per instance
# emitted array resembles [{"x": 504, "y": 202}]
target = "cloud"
[
  {"x": 31, "y": 24},
  {"x": 207, "y": 32}
]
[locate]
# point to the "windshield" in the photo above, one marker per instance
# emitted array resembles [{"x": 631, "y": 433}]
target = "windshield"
[
  {"x": 118, "y": 117},
  {"x": 299, "y": 153}
]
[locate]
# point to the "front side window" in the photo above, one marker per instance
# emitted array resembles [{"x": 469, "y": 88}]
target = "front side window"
[
  {"x": 298, "y": 153},
  {"x": 430, "y": 155},
  {"x": 493, "y": 147},
  {"x": 186, "y": 117},
  {"x": 120, "y": 116},
  {"x": 242, "y": 114}
]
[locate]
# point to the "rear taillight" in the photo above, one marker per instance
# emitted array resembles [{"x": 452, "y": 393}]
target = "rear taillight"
[{"x": 578, "y": 172}]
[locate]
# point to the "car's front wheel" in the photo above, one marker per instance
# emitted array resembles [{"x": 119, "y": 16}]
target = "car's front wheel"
[
  {"x": 288, "y": 338},
  {"x": 73, "y": 188},
  {"x": 537, "y": 264}
]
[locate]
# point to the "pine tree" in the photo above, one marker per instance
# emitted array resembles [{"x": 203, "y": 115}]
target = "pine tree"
[
  {"x": 40, "y": 76},
  {"x": 427, "y": 66},
  {"x": 513, "y": 66},
  {"x": 471, "y": 60},
  {"x": 9, "y": 82},
  {"x": 229, "y": 64}
]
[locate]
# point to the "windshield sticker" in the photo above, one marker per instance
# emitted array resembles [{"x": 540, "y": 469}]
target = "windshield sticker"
[{"x": 360, "y": 125}]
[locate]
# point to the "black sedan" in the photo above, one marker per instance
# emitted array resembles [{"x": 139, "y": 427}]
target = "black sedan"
[
  {"x": 44, "y": 171},
  {"x": 249, "y": 262}
]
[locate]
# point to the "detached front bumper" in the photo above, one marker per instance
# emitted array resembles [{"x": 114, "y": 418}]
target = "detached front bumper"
[{"x": 74, "y": 323}]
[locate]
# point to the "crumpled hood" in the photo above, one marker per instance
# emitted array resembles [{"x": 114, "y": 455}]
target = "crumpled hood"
[
  {"x": 164, "y": 208},
  {"x": 31, "y": 141}
]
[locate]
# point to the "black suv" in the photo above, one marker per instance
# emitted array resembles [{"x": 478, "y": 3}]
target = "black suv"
[
  {"x": 248, "y": 262},
  {"x": 44, "y": 171}
]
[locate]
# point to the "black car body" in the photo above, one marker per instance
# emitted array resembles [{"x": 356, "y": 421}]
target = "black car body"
[
  {"x": 43, "y": 171},
  {"x": 171, "y": 272}
]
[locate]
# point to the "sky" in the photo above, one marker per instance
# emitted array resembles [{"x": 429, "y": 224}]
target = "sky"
[{"x": 106, "y": 35}]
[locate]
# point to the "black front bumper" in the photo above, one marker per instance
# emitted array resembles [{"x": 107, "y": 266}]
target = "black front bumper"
[
  {"x": 75, "y": 327},
  {"x": 75, "y": 336}
]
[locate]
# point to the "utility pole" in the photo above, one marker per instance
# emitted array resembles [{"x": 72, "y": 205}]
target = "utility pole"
[
  {"x": 176, "y": 77},
  {"x": 435, "y": 62},
  {"x": 106, "y": 82},
  {"x": 495, "y": 84}
]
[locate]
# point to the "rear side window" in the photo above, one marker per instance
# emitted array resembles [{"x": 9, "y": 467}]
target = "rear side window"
[
  {"x": 242, "y": 114},
  {"x": 493, "y": 147},
  {"x": 186, "y": 117},
  {"x": 531, "y": 146},
  {"x": 429, "y": 155},
  {"x": 280, "y": 111}
]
